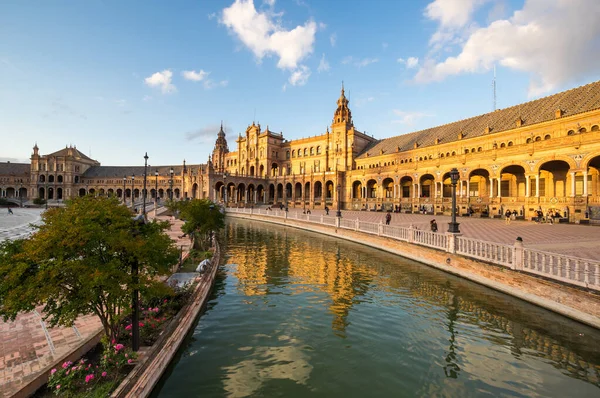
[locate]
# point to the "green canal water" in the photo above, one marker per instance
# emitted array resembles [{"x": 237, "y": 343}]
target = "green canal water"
[{"x": 296, "y": 314}]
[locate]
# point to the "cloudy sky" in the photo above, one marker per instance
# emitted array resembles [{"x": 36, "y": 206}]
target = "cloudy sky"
[{"x": 118, "y": 79}]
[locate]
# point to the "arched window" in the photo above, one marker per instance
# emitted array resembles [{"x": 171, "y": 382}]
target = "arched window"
[
  {"x": 441, "y": 155},
  {"x": 466, "y": 150},
  {"x": 319, "y": 149},
  {"x": 453, "y": 153},
  {"x": 293, "y": 153},
  {"x": 595, "y": 127},
  {"x": 299, "y": 153},
  {"x": 538, "y": 138},
  {"x": 305, "y": 152},
  {"x": 312, "y": 151},
  {"x": 510, "y": 143},
  {"x": 60, "y": 178},
  {"x": 582, "y": 130},
  {"x": 547, "y": 137},
  {"x": 570, "y": 132},
  {"x": 503, "y": 145},
  {"x": 287, "y": 154},
  {"x": 529, "y": 140},
  {"x": 479, "y": 149},
  {"x": 42, "y": 178}
]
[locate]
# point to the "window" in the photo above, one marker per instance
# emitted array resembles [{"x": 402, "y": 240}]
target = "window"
[
  {"x": 547, "y": 137},
  {"x": 570, "y": 132},
  {"x": 319, "y": 148},
  {"x": 287, "y": 154},
  {"x": 312, "y": 151}
]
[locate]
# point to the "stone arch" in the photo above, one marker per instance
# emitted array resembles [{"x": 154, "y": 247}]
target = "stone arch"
[
  {"x": 329, "y": 189},
  {"x": 42, "y": 178},
  {"x": 554, "y": 178},
  {"x": 406, "y": 186},
  {"x": 595, "y": 128},
  {"x": 252, "y": 171},
  {"x": 512, "y": 180},
  {"x": 427, "y": 183},
  {"x": 59, "y": 179},
  {"x": 194, "y": 191},
  {"x": 388, "y": 188},
  {"x": 318, "y": 190},
  {"x": 357, "y": 190},
  {"x": 298, "y": 191},
  {"x": 274, "y": 169},
  {"x": 306, "y": 191},
  {"x": 570, "y": 161},
  {"x": 372, "y": 189},
  {"x": 250, "y": 194},
  {"x": 260, "y": 194},
  {"x": 479, "y": 180},
  {"x": 50, "y": 179}
]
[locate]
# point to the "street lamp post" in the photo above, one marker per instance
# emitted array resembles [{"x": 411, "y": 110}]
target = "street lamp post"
[
  {"x": 124, "y": 181},
  {"x": 339, "y": 200},
  {"x": 144, "y": 192},
  {"x": 453, "y": 226},
  {"x": 132, "y": 187},
  {"x": 155, "y": 192},
  {"x": 21, "y": 194},
  {"x": 171, "y": 184}
]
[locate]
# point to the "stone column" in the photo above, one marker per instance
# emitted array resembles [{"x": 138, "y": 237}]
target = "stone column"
[
  {"x": 517, "y": 263},
  {"x": 572, "y": 184},
  {"x": 537, "y": 185},
  {"x": 499, "y": 187},
  {"x": 527, "y": 186},
  {"x": 468, "y": 189},
  {"x": 491, "y": 187},
  {"x": 585, "y": 183},
  {"x": 419, "y": 190},
  {"x": 460, "y": 188}
]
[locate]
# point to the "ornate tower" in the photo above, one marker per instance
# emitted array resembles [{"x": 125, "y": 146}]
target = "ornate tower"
[
  {"x": 342, "y": 115},
  {"x": 340, "y": 141},
  {"x": 219, "y": 152}
]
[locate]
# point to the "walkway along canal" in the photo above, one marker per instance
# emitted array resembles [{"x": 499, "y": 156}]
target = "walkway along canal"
[{"x": 300, "y": 314}]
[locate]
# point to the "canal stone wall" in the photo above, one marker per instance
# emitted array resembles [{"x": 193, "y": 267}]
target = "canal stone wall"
[{"x": 568, "y": 301}]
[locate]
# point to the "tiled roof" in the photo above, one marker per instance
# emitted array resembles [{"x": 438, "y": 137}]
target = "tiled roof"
[
  {"x": 76, "y": 153},
  {"x": 581, "y": 99},
  {"x": 7, "y": 168},
  {"x": 128, "y": 171}
]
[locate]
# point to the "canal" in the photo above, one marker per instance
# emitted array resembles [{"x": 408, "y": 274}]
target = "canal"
[{"x": 296, "y": 314}]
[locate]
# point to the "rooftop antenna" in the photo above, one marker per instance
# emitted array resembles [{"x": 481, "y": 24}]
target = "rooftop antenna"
[{"x": 494, "y": 87}]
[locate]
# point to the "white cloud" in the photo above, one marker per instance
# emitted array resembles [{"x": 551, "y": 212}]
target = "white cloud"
[
  {"x": 363, "y": 101},
  {"x": 205, "y": 134},
  {"x": 299, "y": 76},
  {"x": 147, "y": 98},
  {"x": 452, "y": 13},
  {"x": 554, "y": 42},
  {"x": 323, "y": 65},
  {"x": 332, "y": 39},
  {"x": 270, "y": 3},
  {"x": 162, "y": 80},
  {"x": 410, "y": 62},
  {"x": 121, "y": 102},
  {"x": 409, "y": 118},
  {"x": 212, "y": 15},
  {"x": 194, "y": 76},
  {"x": 264, "y": 36},
  {"x": 359, "y": 63}
]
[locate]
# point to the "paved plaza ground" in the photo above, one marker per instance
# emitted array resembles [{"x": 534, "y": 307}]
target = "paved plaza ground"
[
  {"x": 569, "y": 239},
  {"x": 27, "y": 345}
]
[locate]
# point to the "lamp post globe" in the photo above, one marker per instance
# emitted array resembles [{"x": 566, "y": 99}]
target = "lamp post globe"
[{"x": 454, "y": 176}]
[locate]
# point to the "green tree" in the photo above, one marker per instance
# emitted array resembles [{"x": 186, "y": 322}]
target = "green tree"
[
  {"x": 79, "y": 262},
  {"x": 201, "y": 217}
]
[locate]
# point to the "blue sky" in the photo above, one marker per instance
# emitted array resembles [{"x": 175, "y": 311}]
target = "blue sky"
[{"x": 118, "y": 79}]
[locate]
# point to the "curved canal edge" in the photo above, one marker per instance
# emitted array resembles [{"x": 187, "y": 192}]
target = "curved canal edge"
[
  {"x": 568, "y": 301},
  {"x": 146, "y": 374}
]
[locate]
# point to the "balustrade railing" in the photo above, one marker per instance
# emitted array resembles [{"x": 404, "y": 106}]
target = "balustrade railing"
[{"x": 568, "y": 269}]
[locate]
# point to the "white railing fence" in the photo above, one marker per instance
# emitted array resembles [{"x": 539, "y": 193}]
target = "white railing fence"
[{"x": 559, "y": 267}]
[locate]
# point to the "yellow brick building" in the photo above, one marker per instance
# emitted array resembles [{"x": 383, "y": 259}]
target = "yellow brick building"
[{"x": 543, "y": 154}]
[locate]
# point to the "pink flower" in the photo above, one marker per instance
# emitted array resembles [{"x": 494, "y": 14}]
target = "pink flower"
[
  {"x": 128, "y": 327},
  {"x": 74, "y": 368},
  {"x": 89, "y": 377},
  {"x": 67, "y": 364},
  {"x": 58, "y": 387},
  {"x": 126, "y": 356},
  {"x": 141, "y": 324},
  {"x": 129, "y": 361},
  {"x": 67, "y": 373},
  {"x": 53, "y": 371},
  {"x": 104, "y": 374},
  {"x": 113, "y": 341},
  {"x": 119, "y": 347}
]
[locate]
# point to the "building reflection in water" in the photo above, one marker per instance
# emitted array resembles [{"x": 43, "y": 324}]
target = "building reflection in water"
[{"x": 270, "y": 259}]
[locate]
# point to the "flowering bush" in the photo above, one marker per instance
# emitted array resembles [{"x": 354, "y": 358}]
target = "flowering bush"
[
  {"x": 72, "y": 377},
  {"x": 77, "y": 378}
]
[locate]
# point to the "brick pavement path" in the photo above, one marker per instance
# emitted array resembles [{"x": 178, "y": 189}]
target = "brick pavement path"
[
  {"x": 569, "y": 239},
  {"x": 27, "y": 345}
]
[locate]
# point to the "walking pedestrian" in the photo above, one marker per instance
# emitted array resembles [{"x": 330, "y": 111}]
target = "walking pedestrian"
[
  {"x": 388, "y": 218},
  {"x": 434, "y": 226},
  {"x": 507, "y": 216},
  {"x": 10, "y": 211}
]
